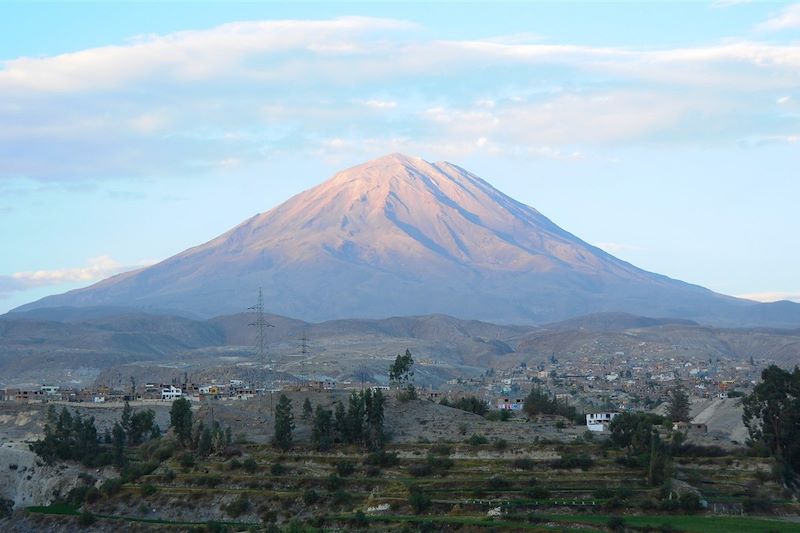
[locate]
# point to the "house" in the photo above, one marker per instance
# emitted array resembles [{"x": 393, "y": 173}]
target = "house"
[
  {"x": 49, "y": 390},
  {"x": 690, "y": 427},
  {"x": 511, "y": 404},
  {"x": 209, "y": 389},
  {"x": 599, "y": 421},
  {"x": 171, "y": 393}
]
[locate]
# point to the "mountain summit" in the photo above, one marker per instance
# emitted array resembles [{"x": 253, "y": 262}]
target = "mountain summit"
[{"x": 401, "y": 236}]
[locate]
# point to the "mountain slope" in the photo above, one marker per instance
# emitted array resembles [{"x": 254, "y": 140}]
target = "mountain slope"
[{"x": 401, "y": 236}]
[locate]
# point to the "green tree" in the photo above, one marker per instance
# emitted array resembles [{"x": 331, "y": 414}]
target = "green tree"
[
  {"x": 678, "y": 407},
  {"x": 284, "y": 424},
  {"x": 125, "y": 418},
  {"x": 141, "y": 426},
  {"x": 420, "y": 502},
  {"x": 204, "y": 442},
  {"x": 355, "y": 418},
  {"x": 322, "y": 430},
  {"x": 308, "y": 411},
  {"x": 340, "y": 422},
  {"x": 772, "y": 416},
  {"x": 118, "y": 444},
  {"x": 373, "y": 427},
  {"x": 180, "y": 419},
  {"x": 401, "y": 373}
]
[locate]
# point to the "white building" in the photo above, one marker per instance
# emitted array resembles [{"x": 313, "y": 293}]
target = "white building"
[
  {"x": 511, "y": 404},
  {"x": 599, "y": 421},
  {"x": 172, "y": 393},
  {"x": 49, "y": 390}
]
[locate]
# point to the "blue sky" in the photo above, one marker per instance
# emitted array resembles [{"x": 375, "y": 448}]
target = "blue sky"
[{"x": 666, "y": 133}]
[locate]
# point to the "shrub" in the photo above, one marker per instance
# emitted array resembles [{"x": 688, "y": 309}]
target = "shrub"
[
  {"x": 420, "y": 469},
  {"x": 536, "y": 493},
  {"x": 345, "y": 468},
  {"x": 497, "y": 482},
  {"x": 86, "y": 519},
  {"x": 582, "y": 461},
  {"x": 148, "y": 490},
  {"x": 277, "y": 469},
  {"x": 523, "y": 463},
  {"x": 169, "y": 475},
  {"x": 111, "y": 486},
  {"x": 382, "y": 459},
  {"x": 500, "y": 444},
  {"x": 441, "y": 449},
  {"x": 501, "y": 415},
  {"x": 250, "y": 465},
  {"x": 360, "y": 519},
  {"x": 187, "y": 460},
  {"x": 341, "y": 497},
  {"x": 209, "y": 480},
  {"x": 477, "y": 440},
  {"x": 310, "y": 497},
  {"x": 441, "y": 463},
  {"x": 419, "y": 501},
  {"x": 238, "y": 507},
  {"x": 615, "y": 523},
  {"x": 602, "y": 493},
  {"x": 334, "y": 482}
]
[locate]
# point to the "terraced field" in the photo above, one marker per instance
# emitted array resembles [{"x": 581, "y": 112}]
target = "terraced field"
[{"x": 428, "y": 487}]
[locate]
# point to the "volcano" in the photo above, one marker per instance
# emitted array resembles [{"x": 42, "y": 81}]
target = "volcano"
[{"x": 401, "y": 236}]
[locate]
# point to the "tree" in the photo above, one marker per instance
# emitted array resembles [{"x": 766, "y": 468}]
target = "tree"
[
  {"x": 354, "y": 420},
  {"x": 125, "y": 418},
  {"x": 118, "y": 444},
  {"x": 322, "y": 430},
  {"x": 141, "y": 426},
  {"x": 401, "y": 375},
  {"x": 204, "y": 442},
  {"x": 373, "y": 431},
  {"x": 284, "y": 424},
  {"x": 633, "y": 431},
  {"x": 340, "y": 422},
  {"x": 678, "y": 408},
  {"x": 308, "y": 411},
  {"x": 180, "y": 419},
  {"x": 772, "y": 416}
]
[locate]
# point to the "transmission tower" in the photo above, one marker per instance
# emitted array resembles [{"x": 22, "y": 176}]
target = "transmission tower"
[
  {"x": 304, "y": 354},
  {"x": 261, "y": 339}
]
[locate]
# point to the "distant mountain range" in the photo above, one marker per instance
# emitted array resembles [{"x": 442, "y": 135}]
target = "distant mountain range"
[
  {"x": 400, "y": 236},
  {"x": 49, "y": 344}
]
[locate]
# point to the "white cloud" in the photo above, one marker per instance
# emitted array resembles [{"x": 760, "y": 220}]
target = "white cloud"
[
  {"x": 787, "y": 19},
  {"x": 190, "y": 56},
  {"x": 97, "y": 268},
  {"x": 775, "y": 296},
  {"x": 240, "y": 92}
]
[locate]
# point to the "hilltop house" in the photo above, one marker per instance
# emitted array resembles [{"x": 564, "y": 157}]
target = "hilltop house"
[{"x": 599, "y": 421}]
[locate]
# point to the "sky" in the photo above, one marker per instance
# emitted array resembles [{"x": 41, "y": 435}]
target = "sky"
[{"x": 665, "y": 133}]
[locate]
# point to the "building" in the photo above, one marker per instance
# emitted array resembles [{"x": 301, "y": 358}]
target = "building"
[
  {"x": 599, "y": 421},
  {"x": 690, "y": 427},
  {"x": 511, "y": 404},
  {"x": 49, "y": 390},
  {"x": 171, "y": 393}
]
